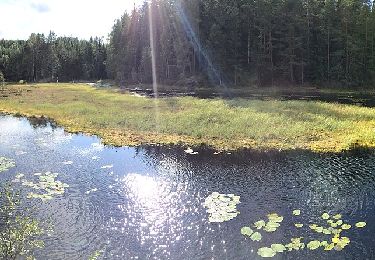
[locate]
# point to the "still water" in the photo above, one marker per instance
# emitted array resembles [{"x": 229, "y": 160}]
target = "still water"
[{"x": 146, "y": 203}]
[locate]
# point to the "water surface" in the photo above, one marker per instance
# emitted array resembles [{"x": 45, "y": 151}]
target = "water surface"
[{"x": 149, "y": 204}]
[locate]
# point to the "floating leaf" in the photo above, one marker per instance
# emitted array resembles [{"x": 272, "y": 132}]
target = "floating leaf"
[
  {"x": 337, "y": 216},
  {"x": 313, "y": 226},
  {"x": 260, "y": 224},
  {"x": 312, "y": 245},
  {"x": 275, "y": 218},
  {"x": 329, "y": 247},
  {"x": 335, "y": 239},
  {"x": 296, "y": 212},
  {"x": 269, "y": 229},
  {"x": 266, "y": 252},
  {"x": 346, "y": 226},
  {"x": 6, "y": 164},
  {"x": 319, "y": 229},
  {"x": 278, "y": 248},
  {"x": 339, "y": 223},
  {"x": 327, "y": 231},
  {"x": 221, "y": 207},
  {"x": 256, "y": 236},
  {"x": 360, "y": 224},
  {"x": 246, "y": 231},
  {"x": 324, "y": 243},
  {"x": 298, "y": 225},
  {"x": 325, "y": 216}
]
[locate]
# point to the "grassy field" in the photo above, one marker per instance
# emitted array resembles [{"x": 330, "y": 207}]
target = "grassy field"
[{"x": 122, "y": 119}]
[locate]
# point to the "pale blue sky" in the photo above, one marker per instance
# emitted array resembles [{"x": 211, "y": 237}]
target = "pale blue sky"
[{"x": 79, "y": 18}]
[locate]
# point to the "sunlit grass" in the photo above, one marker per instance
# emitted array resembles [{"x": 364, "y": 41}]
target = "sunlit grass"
[{"x": 122, "y": 119}]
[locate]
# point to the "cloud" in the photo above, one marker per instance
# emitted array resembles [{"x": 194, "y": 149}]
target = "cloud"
[{"x": 40, "y": 7}]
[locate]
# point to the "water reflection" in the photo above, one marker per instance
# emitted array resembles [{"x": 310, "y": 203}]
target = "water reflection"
[{"x": 149, "y": 204}]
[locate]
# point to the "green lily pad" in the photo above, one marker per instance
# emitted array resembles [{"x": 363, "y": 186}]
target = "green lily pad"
[
  {"x": 326, "y": 231},
  {"x": 346, "y": 226},
  {"x": 266, "y": 252},
  {"x": 329, "y": 247},
  {"x": 256, "y": 236},
  {"x": 275, "y": 218},
  {"x": 337, "y": 216},
  {"x": 260, "y": 224},
  {"x": 278, "y": 248},
  {"x": 6, "y": 164},
  {"x": 339, "y": 222},
  {"x": 360, "y": 224},
  {"x": 296, "y": 212},
  {"x": 319, "y": 229},
  {"x": 312, "y": 245},
  {"x": 298, "y": 225},
  {"x": 325, "y": 216},
  {"x": 246, "y": 231},
  {"x": 221, "y": 207}
]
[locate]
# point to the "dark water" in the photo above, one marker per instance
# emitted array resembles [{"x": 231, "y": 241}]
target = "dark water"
[{"x": 149, "y": 205}]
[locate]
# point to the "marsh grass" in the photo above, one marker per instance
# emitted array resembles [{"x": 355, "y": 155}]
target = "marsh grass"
[{"x": 123, "y": 119}]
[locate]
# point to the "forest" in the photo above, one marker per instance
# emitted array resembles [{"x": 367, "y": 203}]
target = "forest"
[{"x": 212, "y": 42}]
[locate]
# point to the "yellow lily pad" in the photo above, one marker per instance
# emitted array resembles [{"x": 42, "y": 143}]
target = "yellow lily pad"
[
  {"x": 246, "y": 231},
  {"x": 296, "y": 212},
  {"x": 279, "y": 248},
  {"x": 346, "y": 226},
  {"x": 256, "y": 236},
  {"x": 312, "y": 245},
  {"x": 325, "y": 216},
  {"x": 337, "y": 216},
  {"x": 266, "y": 252},
  {"x": 360, "y": 224},
  {"x": 298, "y": 225}
]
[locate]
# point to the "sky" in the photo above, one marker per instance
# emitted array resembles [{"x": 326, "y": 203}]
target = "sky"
[{"x": 78, "y": 18}]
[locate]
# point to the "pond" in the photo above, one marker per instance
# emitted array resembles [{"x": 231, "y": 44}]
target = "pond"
[{"x": 147, "y": 202}]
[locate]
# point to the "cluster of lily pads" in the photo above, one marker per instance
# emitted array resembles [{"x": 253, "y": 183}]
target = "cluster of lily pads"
[
  {"x": 221, "y": 207},
  {"x": 6, "y": 164},
  {"x": 46, "y": 188},
  {"x": 335, "y": 226}
]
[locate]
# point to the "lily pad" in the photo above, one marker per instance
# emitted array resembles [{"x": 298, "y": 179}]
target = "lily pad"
[
  {"x": 260, "y": 224},
  {"x": 360, "y": 224},
  {"x": 296, "y": 212},
  {"x": 274, "y": 217},
  {"x": 329, "y": 247},
  {"x": 221, "y": 207},
  {"x": 278, "y": 248},
  {"x": 312, "y": 245},
  {"x": 269, "y": 229},
  {"x": 346, "y": 227},
  {"x": 6, "y": 164},
  {"x": 266, "y": 252},
  {"x": 246, "y": 231},
  {"x": 298, "y": 225},
  {"x": 337, "y": 216},
  {"x": 325, "y": 216},
  {"x": 256, "y": 236}
]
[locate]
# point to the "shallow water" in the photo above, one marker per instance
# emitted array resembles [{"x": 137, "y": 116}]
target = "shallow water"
[{"x": 149, "y": 205}]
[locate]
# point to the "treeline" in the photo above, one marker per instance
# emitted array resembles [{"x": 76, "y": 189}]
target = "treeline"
[
  {"x": 52, "y": 58},
  {"x": 247, "y": 42},
  {"x": 236, "y": 42}
]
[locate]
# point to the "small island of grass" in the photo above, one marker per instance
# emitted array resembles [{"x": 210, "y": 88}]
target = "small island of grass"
[{"x": 123, "y": 119}]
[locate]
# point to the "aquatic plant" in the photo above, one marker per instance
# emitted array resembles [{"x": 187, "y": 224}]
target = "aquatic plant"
[
  {"x": 6, "y": 164},
  {"x": 334, "y": 228},
  {"x": 19, "y": 234},
  {"x": 221, "y": 207},
  {"x": 46, "y": 188}
]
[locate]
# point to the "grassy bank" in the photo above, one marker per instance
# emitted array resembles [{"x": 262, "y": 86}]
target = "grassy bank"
[{"x": 122, "y": 119}]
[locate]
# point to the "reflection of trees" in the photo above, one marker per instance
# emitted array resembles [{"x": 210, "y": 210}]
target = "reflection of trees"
[{"x": 40, "y": 122}]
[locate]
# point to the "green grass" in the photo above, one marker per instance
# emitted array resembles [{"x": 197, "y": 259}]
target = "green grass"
[{"x": 122, "y": 119}]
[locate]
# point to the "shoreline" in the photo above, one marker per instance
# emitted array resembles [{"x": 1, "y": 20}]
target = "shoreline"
[{"x": 82, "y": 109}]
